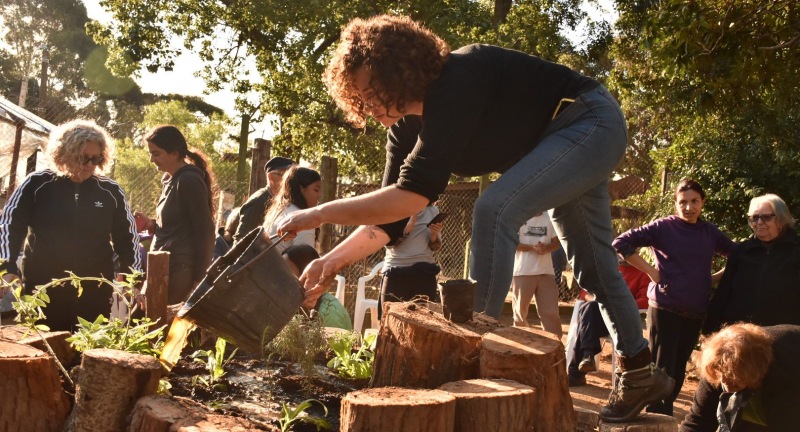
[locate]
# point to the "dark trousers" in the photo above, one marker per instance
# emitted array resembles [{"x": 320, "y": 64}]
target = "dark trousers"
[
  {"x": 590, "y": 328},
  {"x": 672, "y": 340},
  {"x": 405, "y": 283}
]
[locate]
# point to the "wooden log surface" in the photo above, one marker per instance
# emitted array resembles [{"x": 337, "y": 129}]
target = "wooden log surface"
[
  {"x": 418, "y": 347},
  {"x": 645, "y": 422},
  {"x": 164, "y": 414},
  {"x": 537, "y": 359},
  {"x": 108, "y": 384},
  {"x": 496, "y": 405},
  {"x": 31, "y": 397},
  {"x": 394, "y": 409},
  {"x": 57, "y": 340},
  {"x": 586, "y": 420},
  {"x": 157, "y": 286}
]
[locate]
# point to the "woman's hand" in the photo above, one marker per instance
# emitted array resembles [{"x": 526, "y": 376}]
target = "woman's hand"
[
  {"x": 436, "y": 230},
  {"x": 317, "y": 277},
  {"x": 299, "y": 221},
  {"x": 144, "y": 223}
]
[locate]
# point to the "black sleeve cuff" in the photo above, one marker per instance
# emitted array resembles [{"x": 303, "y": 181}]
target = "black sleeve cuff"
[{"x": 394, "y": 230}]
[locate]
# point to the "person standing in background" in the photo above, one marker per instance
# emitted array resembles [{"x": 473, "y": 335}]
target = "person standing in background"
[
  {"x": 70, "y": 219},
  {"x": 252, "y": 213},
  {"x": 184, "y": 225},
  {"x": 534, "y": 274},
  {"x": 299, "y": 190}
]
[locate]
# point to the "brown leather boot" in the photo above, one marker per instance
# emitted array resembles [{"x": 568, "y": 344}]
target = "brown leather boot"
[{"x": 639, "y": 383}]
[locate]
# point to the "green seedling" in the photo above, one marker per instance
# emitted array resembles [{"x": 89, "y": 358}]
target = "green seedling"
[
  {"x": 290, "y": 416},
  {"x": 300, "y": 341},
  {"x": 349, "y": 364},
  {"x": 215, "y": 362},
  {"x": 115, "y": 334}
]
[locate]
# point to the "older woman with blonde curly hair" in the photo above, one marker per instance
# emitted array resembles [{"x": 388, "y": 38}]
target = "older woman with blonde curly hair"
[
  {"x": 477, "y": 110},
  {"x": 70, "y": 219},
  {"x": 748, "y": 380}
]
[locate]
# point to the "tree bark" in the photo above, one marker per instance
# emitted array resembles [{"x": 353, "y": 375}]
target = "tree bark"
[
  {"x": 493, "y": 405},
  {"x": 107, "y": 386},
  {"x": 163, "y": 414},
  {"x": 32, "y": 397},
  {"x": 57, "y": 340},
  {"x": 418, "y": 347},
  {"x": 393, "y": 409},
  {"x": 586, "y": 420},
  {"x": 536, "y": 359},
  {"x": 645, "y": 422}
]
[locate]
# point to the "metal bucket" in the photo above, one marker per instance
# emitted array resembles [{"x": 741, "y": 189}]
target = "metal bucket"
[{"x": 248, "y": 295}]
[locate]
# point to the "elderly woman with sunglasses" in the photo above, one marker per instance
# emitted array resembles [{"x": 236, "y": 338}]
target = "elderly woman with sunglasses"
[
  {"x": 761, "y": 283},
  {"x": 70, "y": 219}
]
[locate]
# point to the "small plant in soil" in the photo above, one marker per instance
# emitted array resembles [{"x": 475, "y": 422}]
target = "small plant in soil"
[
  {"x": 290, "y": 416},
  {"x": 115, "y": 334},
  {"x": 349, "y": 364},
  {"x": 301, "y": 341},
  {"x": 214, "y": 362}
]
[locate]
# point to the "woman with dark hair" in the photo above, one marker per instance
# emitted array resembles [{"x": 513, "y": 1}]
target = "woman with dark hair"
[
  {"x": 489, "y": 109},
  {"x": 761, "y": 283},
  {"x": 184, "y": 225},
  {"x": 70, "y": 218},
  {"x": 684, "y": 246},
  {"x": 299, "y": 190}
]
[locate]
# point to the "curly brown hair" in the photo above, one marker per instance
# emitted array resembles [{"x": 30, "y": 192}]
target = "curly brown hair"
[
  {"x": 739, "y": 354},
  {"x": 402, "y": 56},
  {"x": 65, "y": 147}
]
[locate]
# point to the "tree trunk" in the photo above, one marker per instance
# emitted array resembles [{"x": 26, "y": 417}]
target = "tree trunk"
[
  {"x": 163, "y": 414},
  {"x": 393, "y": 409},
  {"x": 535, "y": 359},
  {"x": 32, "y": 397},
  {"x": 418, "y": 347},
  {"x": 107, "y": 386},
  {"x": 493, "y": 405},
  {"x": 57, "y": 340},
  {"x": 645, "y": 422}
]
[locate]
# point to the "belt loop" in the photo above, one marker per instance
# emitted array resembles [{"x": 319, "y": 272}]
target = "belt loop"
[{"x": 560, "y": 103}]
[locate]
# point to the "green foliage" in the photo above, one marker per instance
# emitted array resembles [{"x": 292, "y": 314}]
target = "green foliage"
[
  {"x": 349, "y": 364},
  {"x": 138, "y": 338},
  {"x": 214, "y": 361},
  {"x": 300, "y": 341},
  {"x": 289, "y": 416},
  {"x": 29, "y": 307}
]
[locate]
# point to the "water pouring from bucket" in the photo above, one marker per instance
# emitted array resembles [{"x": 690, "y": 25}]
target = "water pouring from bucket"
[{"x": 247, "y": 297}]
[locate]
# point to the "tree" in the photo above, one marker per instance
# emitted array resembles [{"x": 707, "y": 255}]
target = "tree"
[
  {"x": 290, "y": 41},
  {"x": 710, "y": 90}
]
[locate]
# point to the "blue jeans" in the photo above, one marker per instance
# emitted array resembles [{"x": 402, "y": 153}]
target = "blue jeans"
[{"x": 567, "y": 173}]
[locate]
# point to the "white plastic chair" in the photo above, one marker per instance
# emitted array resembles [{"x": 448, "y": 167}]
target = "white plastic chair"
[
  {"x": 341, "y": 282},
  {"x": 363, "y": 304}
]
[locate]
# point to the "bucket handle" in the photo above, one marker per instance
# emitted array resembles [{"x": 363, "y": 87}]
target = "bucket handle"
[{"x": 248, "y": 264}]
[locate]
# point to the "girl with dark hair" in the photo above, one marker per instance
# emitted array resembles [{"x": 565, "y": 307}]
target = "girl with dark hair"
[
  {"x": 684, "y": 246},
  {"x": 184, "y": 225},
  {"x": 299, "y": 190}
]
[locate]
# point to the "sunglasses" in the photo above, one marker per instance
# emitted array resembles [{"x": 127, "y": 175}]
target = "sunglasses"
[
  {"x": 763, "y": 217},
  {"x": 96, "y": 160}
]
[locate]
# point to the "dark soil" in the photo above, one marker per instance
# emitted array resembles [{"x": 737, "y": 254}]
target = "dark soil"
[{"x": 255, "y": 389}]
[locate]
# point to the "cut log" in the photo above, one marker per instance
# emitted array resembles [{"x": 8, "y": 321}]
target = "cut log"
[
  {"x": 108, "y": 384},
  {"x": 645, "y": 422},
  {"x": 493, "y": 405},
  {"x": 587, "y": 420},
  {"x": 394, "y": 409},
  {"x": 157, "y": 286},
  {"x": 162, "y": 414},
  {"x": 534, "y": 358},
  {"x": 418, "y": 347},
  {"x": 32, "y": 397},
  {"x": 57, "y": 340}
]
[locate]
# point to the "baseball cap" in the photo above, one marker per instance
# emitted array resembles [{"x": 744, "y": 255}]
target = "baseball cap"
[{"x": 278, "y": 163}]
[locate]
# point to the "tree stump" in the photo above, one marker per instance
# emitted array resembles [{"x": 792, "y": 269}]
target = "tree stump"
[
  {"x": 587, "y": 420},
  {"x": 645, "y": 422},
  {"x": 493, "y": 405},
  {"x": 162, "y": 414},
  {"x": 394, "y": 409},
  {"x": 32, "y": 397},
  {"x": 536, "y": 359},
  {"x": 108, "y": 384},
  {"x": 57, "y": 340},
  {"x": 418, "y": 347}
]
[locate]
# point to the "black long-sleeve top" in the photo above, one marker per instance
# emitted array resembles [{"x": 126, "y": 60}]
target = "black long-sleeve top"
[
  {"x": 68, "y": 226},
  {"x": 251, "y": 215},
  {"x": 184, "y": 224},
  {"x": 487, "y": 109},
  {"x": 779, "y": 390},
  {"x": 761, "y": 284}
]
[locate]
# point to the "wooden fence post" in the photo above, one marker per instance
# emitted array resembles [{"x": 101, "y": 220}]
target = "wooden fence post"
[
  {"x": 329, "y": 170},
  {"x": 157, "y": 286},
  {"x": 261, "y": 154}
]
